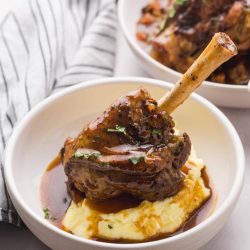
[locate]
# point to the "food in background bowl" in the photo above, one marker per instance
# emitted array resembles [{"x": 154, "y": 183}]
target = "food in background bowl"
[
  {"x": 128, "y": 176},
  {"x": 175, "y": 33}
]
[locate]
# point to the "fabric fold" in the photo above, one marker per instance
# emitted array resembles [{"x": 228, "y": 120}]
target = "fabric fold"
[{"x": 46, "y": 46}]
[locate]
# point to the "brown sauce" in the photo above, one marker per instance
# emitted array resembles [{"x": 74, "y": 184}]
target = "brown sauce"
[
  {"x": 115, "y": 205},
  {"x": 55, "y": 198}
]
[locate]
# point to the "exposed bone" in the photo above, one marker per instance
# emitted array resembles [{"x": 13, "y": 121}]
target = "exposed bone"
[{"x": 220, "y": 49}]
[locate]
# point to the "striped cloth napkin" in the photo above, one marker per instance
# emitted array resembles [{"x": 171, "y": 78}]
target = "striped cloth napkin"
[{"x": 46, "y": 46}]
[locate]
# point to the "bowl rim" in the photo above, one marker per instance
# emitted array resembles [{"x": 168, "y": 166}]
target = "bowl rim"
[
  {"x": 228, "y": 202},
  {"x": 135, "y": 45}
]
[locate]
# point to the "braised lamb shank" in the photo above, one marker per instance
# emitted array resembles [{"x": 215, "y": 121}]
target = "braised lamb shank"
[{"x": 131, "y": 148}]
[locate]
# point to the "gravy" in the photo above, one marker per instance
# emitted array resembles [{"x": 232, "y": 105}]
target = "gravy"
[
  {"x": 54, "y": 195},
  {"x": 114, "y": 205},
  {"x": 55, "y": 198}
]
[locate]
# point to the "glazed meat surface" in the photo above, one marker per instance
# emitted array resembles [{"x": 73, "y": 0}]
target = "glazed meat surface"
[
  {"x": 179, "y": 30},
  {"x": 131, "y": 148}
]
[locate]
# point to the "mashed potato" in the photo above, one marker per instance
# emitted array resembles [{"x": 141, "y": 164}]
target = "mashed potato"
[{"x": 147, "y": 220}]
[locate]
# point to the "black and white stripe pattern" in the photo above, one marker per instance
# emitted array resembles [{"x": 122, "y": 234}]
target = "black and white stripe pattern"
[{"x": 45, "y": 46}]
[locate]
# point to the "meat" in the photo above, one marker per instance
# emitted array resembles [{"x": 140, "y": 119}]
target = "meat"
[
  {"x": 189, "y": 25},
  {"x": 131, "y": 148}
]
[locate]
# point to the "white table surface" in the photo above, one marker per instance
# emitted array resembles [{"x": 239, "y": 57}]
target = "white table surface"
[{"x": 235, "y": 234}]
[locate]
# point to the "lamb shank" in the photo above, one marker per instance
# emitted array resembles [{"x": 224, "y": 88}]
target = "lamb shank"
[{"x": 131, "y": 148}]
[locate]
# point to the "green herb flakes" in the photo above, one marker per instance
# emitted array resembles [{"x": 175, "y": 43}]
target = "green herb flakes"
[
  {"x": 105, "y": 164},
  {"x": 110, "y": 227},
  {"x": 156, "y": 131},
  {"x": 118, "y": 129},
  {"x": 171, "y": 12},
  {"x": 136, "y": 159},
  {"x": 163, "y": 24},
  {"x": 79, "y": 154},
  {"x": 180, "y": 2},
  {"x": 47, "y": 214}
]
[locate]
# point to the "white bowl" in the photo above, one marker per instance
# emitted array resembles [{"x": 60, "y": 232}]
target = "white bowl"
[
  {"x": 220, "y": 94},
  {"x": 41, "y": 134}
]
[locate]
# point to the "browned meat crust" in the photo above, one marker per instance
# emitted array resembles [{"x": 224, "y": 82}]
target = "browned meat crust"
[{"x": 131, "y": 149}]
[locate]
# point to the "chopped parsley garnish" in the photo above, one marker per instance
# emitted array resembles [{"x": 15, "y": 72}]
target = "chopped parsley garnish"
[
  {"x": 180, "y": 2},
  {"x": 172, "y": 9},
  {"x": 118, "y": 129},
  {"x": 110, "y": 227},
  {"x": 156, "y": 131},
  {"x": 79, "y": 154},
  {"x": 104, "y": 164},
  {"x": 171, "y": 12},
  {"x": 47, "y": 215},
  {"x": 136, "y": 159}
]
